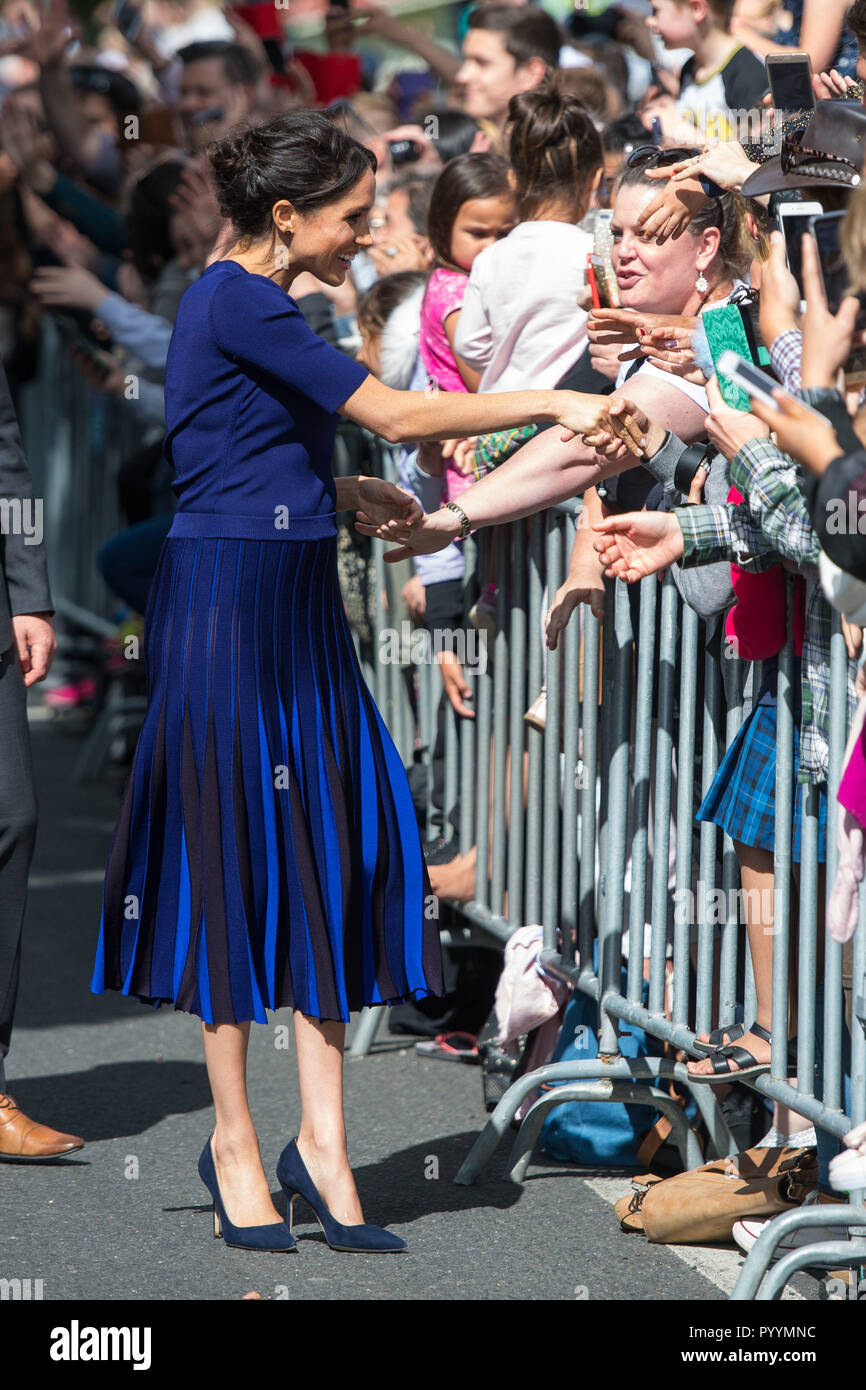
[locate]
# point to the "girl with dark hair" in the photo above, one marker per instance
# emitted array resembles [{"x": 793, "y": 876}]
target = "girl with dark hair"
[
  {"x": 471, "y": 208},
  {"x": 266, "y": 853},
  {"x": 520, "y": 323}
]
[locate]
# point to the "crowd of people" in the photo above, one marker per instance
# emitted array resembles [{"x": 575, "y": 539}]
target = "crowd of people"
[{"x": 638, "y": 142}]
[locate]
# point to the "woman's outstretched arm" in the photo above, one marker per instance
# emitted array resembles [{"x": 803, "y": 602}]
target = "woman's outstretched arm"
[
  {"x": 547, "y": 469},
  {"x": 413, "y": 416}
]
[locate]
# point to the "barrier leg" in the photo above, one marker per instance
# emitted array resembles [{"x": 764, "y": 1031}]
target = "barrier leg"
[
  {"x": 365, "y": 1033},
  {"x": 601, "y": 1090},
  {"x": 759, "y": 1257}
]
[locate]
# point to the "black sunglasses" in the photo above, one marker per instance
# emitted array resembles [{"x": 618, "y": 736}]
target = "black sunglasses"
[{"x": 652, "y": 156}]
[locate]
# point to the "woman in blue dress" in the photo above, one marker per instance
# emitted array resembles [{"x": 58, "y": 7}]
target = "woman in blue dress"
[{"x": 266, "y": 853}]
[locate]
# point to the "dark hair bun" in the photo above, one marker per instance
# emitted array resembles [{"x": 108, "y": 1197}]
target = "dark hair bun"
[
  {"x": 553, "y": 145},
  {"x": 299, "y": 155}
]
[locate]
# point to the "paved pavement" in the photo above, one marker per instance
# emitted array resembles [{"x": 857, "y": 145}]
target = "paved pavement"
[{"x": 128, "y": 1216}]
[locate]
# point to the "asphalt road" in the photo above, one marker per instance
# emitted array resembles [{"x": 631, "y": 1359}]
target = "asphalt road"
[{"x": 128, "y": 1217}]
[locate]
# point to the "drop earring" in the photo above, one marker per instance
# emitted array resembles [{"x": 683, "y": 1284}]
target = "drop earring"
[{"x": 702, "y": 284}]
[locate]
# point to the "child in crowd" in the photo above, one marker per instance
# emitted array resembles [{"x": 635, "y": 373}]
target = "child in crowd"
[
  {"x": 471, "y": 208},
  {"x": 520, "y": 323},
  {"x": 721, "y": 78}
]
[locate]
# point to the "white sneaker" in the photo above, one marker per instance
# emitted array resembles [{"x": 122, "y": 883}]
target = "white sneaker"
[
  {"x": 747, "y": 1231},
  {"x": 848, "y": 1171}
]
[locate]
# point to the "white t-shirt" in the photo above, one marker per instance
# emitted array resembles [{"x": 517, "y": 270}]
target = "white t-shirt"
[{"x": 520, "y": 325}]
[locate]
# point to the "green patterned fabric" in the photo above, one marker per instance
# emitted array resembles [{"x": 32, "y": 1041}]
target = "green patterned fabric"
[{"x": 493, "y": 449}]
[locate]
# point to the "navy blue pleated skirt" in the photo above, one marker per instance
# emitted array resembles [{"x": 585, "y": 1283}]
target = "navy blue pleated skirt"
[{"x": 267, "y": 852}]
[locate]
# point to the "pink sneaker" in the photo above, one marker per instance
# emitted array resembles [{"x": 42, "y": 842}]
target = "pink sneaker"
[{"x": 81, "y": 692}]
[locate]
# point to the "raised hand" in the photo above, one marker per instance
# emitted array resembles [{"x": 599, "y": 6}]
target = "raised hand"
[
  {"x": 728, "y": 429},
  {"x": 725, "y": 162},
  {"x": 779, "y": 302},
  {"x": 68, "y": 285},
  {"x": 48, "y": 35},
  {"x": 636, "y": 544},
  {"x": 670, "y": 213},
  {"x": 827, "y": 338}
]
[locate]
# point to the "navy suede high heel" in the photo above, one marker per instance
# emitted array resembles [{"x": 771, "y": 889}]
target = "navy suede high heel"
[
  {"x": 296, "y": 1182},
  {"x": 275, "y": 1237}
]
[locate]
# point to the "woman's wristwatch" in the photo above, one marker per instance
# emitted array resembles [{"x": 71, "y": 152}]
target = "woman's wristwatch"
[{"x": 465, "y": 523}]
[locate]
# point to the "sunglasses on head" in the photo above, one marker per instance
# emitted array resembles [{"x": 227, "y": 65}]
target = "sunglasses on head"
[{"x": 650, "y": 156}]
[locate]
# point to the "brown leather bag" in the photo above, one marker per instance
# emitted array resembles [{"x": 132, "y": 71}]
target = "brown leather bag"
[{"x": 702, "y": 1206}]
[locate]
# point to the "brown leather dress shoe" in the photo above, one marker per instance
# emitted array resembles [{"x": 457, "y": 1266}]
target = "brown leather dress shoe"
[{"x": 22, "y": 1140}]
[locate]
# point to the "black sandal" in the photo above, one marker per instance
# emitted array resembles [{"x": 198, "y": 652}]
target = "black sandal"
[
  {"x": 732, "y": 1052},
  {"x": 717, "y": 1038}
]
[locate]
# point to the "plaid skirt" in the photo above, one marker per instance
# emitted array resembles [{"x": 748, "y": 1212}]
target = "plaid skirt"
[{"x": 742, "y": 796}]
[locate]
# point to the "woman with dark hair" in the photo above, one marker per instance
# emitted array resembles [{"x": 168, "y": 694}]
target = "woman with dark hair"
[{"x": 267, "y": 853}]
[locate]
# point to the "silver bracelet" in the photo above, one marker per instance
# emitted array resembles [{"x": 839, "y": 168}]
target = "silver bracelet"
[{"x": 465, "y": 523}]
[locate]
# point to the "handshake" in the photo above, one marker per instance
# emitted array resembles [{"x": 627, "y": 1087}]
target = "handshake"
[{"x": 608, "y": 428}]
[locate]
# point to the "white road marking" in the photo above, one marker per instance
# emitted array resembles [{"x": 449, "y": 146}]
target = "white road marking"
[{"x": 719, "y": 1264}]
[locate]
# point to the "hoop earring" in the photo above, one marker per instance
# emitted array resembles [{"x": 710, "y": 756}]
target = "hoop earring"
[{"x": 702, "y": 284}]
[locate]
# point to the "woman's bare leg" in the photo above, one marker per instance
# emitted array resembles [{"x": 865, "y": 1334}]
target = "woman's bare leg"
[
  {"x": 756, "y": 876},
  {"x": 322, "y": 1133},
  {"x": 238, "y": 1162}
]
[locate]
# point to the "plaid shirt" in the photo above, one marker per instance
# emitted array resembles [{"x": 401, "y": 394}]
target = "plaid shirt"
[
  {"x": 772, "y": 527},
  {"x": 786, "y": 355}
]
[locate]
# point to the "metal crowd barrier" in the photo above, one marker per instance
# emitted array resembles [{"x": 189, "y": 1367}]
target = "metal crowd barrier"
[
  {"x": 75, "y": 440},
  {"x": 603, "y": 838},
  {"x": 613, "y": 784}
]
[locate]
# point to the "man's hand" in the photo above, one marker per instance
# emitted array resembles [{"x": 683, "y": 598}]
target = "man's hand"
[{"x": 36, "y": 644}]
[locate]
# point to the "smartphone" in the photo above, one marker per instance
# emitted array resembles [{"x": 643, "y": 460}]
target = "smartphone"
[
  {"x": 603, "y": 247},
  {"x": 127, "y": 18},
  {"x": 795, "y": 219},
  {"x": 404, "y": 152},
  {"x": 598, "y": 271},
  {"x": 834, "y": 273},
  {"x": 726, "y": 333},
  {"x": 790, "y": 79},
  {"x": 756, "y": 384}
]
